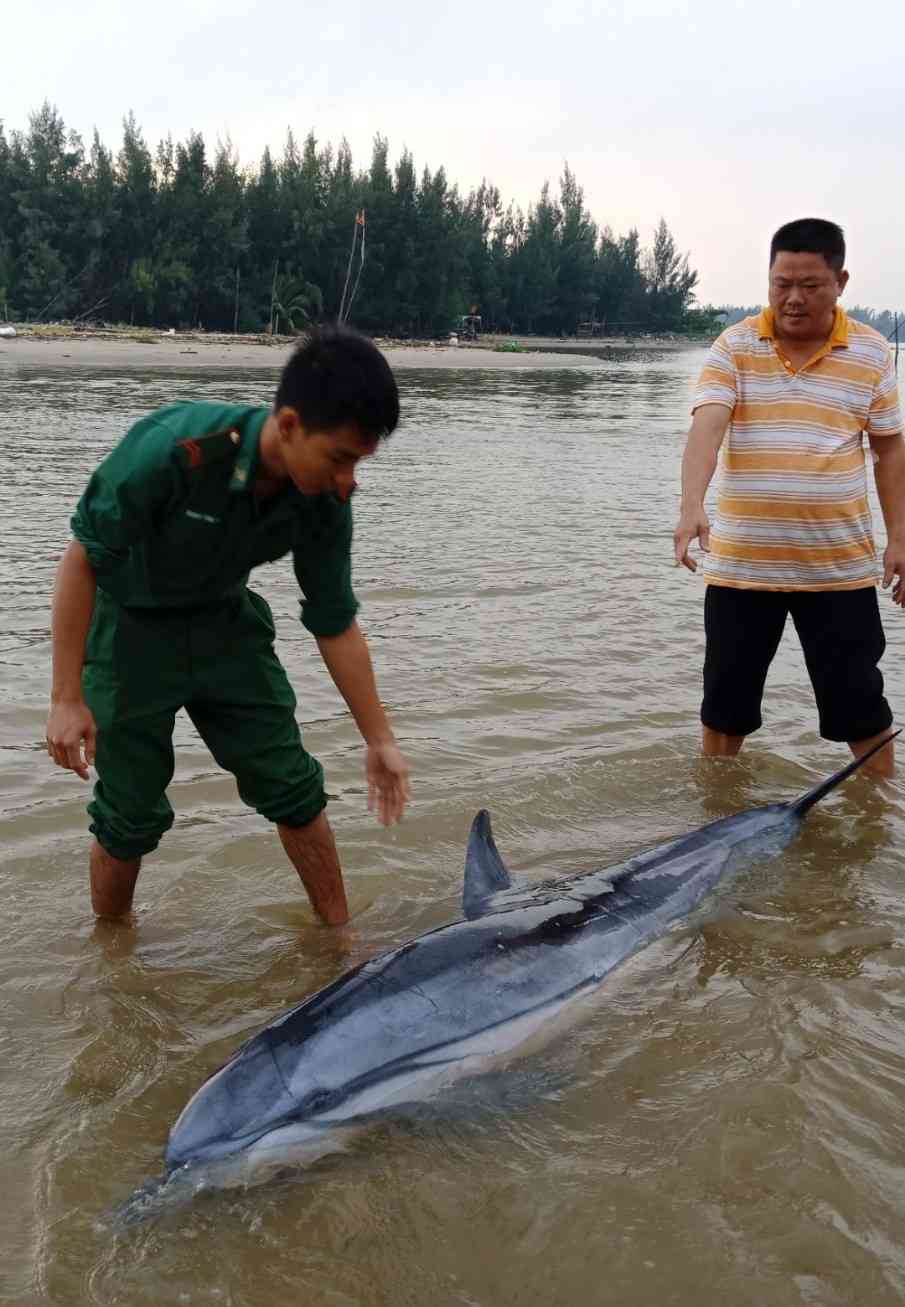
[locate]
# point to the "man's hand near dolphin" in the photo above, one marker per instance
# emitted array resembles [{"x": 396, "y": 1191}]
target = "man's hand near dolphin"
[{"x": 152, "y": 612}]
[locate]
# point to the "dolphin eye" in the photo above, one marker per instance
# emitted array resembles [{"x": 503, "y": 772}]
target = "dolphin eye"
[{"x": 319, "y": 1100}]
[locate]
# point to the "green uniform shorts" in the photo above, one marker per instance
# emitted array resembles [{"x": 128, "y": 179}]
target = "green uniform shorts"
[{"x": 218, "y": 662}]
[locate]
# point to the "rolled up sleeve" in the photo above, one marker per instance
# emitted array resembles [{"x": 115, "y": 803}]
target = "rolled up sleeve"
[{"x": 323, "y": 568}]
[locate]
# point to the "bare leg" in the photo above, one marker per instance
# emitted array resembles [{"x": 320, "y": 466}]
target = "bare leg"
[
  {"x": 717, "y": 745},
  {"x": 112, "y": 882},
  {"x": 312, "y": 851},
  {"x": 883, "y": 763}
]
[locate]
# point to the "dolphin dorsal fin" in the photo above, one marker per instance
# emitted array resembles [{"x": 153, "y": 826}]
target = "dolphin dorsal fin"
[{"x": 485, "y": 871}]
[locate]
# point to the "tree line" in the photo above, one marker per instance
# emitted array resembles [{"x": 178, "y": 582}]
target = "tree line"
[
  {"x": 883, "y": 320},
  {"x": 180, "y": 238}
]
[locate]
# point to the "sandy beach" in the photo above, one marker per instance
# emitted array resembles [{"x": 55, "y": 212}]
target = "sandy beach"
[{"x": 188, "y": 350}]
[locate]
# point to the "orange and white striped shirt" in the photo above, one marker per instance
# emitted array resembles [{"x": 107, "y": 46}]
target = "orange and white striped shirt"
[{"x": 792, "y": 512}]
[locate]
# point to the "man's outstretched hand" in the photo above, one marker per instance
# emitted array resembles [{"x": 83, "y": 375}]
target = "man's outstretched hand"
[{"x": 388, "y": 782}]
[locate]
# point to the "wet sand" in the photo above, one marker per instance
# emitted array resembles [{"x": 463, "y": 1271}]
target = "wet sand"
[{"x": 165, "y": 351}]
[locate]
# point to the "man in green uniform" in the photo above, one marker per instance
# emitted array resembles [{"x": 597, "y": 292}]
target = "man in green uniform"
[{"x": 152, "y": 613}]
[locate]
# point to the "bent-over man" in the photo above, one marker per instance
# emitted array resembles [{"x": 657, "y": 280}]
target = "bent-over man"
[{"x": 152, "y": 612}]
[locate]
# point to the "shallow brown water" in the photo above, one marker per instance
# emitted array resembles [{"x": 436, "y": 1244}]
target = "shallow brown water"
[{"x": 724, "y": 1124}]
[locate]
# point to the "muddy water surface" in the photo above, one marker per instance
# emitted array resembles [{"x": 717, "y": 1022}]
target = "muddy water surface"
[{"x": 726, "y": 1123}]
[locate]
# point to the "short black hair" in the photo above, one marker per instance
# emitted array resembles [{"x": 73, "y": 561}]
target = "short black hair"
[
  {"x": 811, "y": 236},
  {"x": 337, "y": 376}
]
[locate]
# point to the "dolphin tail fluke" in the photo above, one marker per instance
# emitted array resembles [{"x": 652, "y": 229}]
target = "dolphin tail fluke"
[
  {"x": 801, "y": 806},
  {"x": 485, "y": 871}
]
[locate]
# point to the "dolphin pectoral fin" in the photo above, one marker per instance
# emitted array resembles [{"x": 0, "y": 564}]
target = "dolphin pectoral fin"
[{"x": 485, "y": 871}]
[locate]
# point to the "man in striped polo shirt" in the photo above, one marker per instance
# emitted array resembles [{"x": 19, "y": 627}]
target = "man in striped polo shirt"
[{"x": 796, "y": 388}]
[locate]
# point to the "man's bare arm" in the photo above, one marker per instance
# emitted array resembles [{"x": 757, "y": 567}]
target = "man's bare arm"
[
  {"x": 889, "y": 475},
  {"x": 71, "y": 731},
  {"x": 708, "y": 428},
  {"x": 349, "y": 663}
]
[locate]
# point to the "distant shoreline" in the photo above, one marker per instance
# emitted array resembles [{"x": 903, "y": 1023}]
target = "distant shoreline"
[{"x": 66, "y": 347}]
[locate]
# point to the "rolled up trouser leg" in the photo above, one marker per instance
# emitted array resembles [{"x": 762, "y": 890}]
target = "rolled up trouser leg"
[
  {"x": 842, "y": 636},
  {"x": 743, "y": 630}
]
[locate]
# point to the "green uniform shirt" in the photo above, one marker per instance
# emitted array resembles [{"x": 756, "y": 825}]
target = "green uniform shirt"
[{"x": 170, "y": 519}]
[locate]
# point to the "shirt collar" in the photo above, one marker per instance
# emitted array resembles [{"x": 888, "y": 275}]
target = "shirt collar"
[{"x": 838, "y": 336}]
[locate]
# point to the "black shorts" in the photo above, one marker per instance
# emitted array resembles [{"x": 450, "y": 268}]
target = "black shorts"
[{"x": 843, "y": 641}]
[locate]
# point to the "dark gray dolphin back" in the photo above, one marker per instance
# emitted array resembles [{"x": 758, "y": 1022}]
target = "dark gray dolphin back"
[
  {"x": 486, "y": 874},
  {"x": 485, "y": 871}
]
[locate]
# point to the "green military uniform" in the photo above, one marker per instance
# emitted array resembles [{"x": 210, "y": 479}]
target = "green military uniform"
[{"x": 172, "y": 528}]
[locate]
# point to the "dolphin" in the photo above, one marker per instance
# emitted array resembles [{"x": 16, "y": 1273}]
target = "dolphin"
[{"x": 456, "y": 1000}]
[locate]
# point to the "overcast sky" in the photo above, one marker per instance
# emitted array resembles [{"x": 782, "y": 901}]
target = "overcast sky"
[{"x": 726, "y": 119}]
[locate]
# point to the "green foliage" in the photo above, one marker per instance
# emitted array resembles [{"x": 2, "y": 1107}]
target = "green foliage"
[
  {"x": 670, "y": 281},
  {"x": 179, "y": 238},
  {"x": 143, "y": 282},
  {"x": 705, "y": 321},
  {"x": 887, "y": 321},
  {"x": 296, "y": 304},
  {"x": 882, "y": 320}
]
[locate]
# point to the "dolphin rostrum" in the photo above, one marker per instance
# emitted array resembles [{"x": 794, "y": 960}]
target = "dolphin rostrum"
[{"x": 456, "y": 999}]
